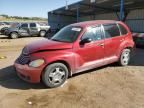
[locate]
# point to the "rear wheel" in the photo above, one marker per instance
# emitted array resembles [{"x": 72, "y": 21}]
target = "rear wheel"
[
  {"x": 125, "y": 57},
  {"x": 14, "y": 35},
  {"x": 42, "y": 33},
  {"x": 55, "y": 75}
]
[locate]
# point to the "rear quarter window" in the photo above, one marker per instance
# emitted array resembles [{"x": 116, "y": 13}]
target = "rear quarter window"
[
  {"x": 111, "y": 30},
  {"x": 123, "y": 29}
]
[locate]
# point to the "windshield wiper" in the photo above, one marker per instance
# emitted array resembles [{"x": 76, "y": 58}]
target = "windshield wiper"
[{"x": 56, "y": 40}]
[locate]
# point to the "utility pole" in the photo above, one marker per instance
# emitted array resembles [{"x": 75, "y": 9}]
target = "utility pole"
[
  {"x": 66, "y": 8},
  {"x": 121, "y": 9}
]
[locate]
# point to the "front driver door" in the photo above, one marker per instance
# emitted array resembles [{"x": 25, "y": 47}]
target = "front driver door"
[
  {"x": 90, "y": 55},
  {"x": 24, "y": 30}
]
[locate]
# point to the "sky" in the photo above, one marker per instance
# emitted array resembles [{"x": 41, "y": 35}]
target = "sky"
[{"x": 31, "y": 8}]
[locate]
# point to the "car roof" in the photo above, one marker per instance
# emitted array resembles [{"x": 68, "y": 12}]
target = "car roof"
[{"x": 95, "y": 22}]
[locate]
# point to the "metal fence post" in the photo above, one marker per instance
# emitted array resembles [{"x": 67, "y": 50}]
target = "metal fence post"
[
  {"x": 121, "y": 10},
  {"x": 77, "y": 13}
]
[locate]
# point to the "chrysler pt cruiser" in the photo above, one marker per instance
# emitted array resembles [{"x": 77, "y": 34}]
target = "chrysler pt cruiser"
[{"x": 75, "y": 48}]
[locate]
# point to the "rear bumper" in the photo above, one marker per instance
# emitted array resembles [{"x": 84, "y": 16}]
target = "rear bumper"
[{"x": 29, "y": 74}]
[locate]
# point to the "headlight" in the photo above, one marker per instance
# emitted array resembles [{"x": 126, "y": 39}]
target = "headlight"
[{"x": 36, "y": 63}]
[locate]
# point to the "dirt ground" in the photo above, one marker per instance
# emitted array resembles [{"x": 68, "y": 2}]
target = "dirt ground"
[{"x": 107, "y": 87}]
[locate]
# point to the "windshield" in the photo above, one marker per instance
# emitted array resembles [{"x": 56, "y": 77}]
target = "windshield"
[
  {"x": 15, "y": 25},
  {"x": 67, "y": 34}
]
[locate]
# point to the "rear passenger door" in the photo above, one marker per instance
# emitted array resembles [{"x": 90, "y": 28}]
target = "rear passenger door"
[
  {"x": 113, "y": 40},
  {"x": 33, "y": 29}
]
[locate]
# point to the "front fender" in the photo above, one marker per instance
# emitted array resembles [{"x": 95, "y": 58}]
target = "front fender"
[{"x": 52, "y": 56}]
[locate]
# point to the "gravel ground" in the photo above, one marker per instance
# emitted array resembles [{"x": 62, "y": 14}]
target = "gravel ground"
[{"x": 110, "y": 86}]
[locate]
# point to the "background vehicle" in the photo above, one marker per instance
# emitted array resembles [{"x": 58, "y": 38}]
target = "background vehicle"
[
  {"x": 27, "y": 29},
  {"x": 12, "y": 25},
  {"x": 139, "y": 39},
  {"x": 3, "y": 26},
  {"x": 75, "y": 48}
]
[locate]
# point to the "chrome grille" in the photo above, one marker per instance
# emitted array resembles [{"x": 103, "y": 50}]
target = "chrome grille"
[
  {"x": 24, "y": 57},
  {"x": 25, "y": 51}
]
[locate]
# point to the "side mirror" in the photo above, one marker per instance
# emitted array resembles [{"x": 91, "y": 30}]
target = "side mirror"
[
  {"x": 19, "y": 27},
  {"x": 84, "y": 41}
]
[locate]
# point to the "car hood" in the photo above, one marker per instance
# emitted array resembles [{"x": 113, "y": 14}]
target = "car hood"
[
  {"x": 47, "y": 45},
  {"x": 12, "y": 29},
  {"x": 4, "y": 26}
]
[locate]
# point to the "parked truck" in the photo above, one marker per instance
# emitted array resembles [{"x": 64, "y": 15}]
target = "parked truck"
[
  {"x": 27, "y": 29},
  {"x": 4, "y": 25}
]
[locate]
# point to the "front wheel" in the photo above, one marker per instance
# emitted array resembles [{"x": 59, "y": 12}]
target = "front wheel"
[
  {"x": 125, "y": 57},
  {"x": 14, "y": 35},
  {"x": 55, "y": 75},
  {"x": 42, "y": 33}
]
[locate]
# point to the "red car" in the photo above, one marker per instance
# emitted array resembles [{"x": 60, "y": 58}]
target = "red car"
[{"x": 76, "y": 48}]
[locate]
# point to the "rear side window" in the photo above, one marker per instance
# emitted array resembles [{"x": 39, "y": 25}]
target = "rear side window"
[
  {"x": 123, "y": 29},
  {"x": 111, "y": 30},
  {"x": 93, "y": 33},
  {"x": 32, "y": 25}
]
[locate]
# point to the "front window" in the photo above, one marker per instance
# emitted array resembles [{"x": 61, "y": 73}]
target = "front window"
[
  {"x": 67, "y": 34},
  {"x": 94, "y": 33},
  {"x": 25, "y": 25},
  {"x": 15, "y": 25}
]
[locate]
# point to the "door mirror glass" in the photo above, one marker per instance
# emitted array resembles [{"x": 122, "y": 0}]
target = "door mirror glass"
[{"x": 85, "y": 40}]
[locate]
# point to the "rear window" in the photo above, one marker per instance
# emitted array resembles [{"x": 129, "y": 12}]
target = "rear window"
[
  {"x": 123, "y": 30},
  {"x": 111, "y": 30}
]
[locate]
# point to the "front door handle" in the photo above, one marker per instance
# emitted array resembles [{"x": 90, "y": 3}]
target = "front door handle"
[
  {"x": 121, "y": 40},
  {"x": 102, "y": 45}
]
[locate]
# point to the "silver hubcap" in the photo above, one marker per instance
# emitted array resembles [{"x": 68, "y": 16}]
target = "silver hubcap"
[
  {"x": 125, "y": 58},
  {"x": 56, "y": 76},
  {"x": 14, "y": 35},
  {"x": 42, "y": 33}
]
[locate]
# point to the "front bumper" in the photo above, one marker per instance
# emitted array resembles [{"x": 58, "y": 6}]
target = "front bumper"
[
  {"x": 29, "y": 74},
  {"x": 6, "y": 33}
]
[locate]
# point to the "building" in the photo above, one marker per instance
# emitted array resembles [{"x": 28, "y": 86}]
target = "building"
[{"x": 128, "y": 11}]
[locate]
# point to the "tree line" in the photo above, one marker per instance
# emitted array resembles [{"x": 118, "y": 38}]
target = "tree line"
[{"x": 23, "y": 18}]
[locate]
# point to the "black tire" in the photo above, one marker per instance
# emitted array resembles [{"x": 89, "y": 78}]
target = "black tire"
[
  {"x": 55, "y": 75},
  {"x": 14, "y": 35},
  {"x": 125, "y": 57},
  {"x": 42, "y": 33}
]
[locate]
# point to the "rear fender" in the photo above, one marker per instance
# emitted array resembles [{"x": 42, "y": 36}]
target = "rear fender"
[{"x": 124, "y": 45}]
